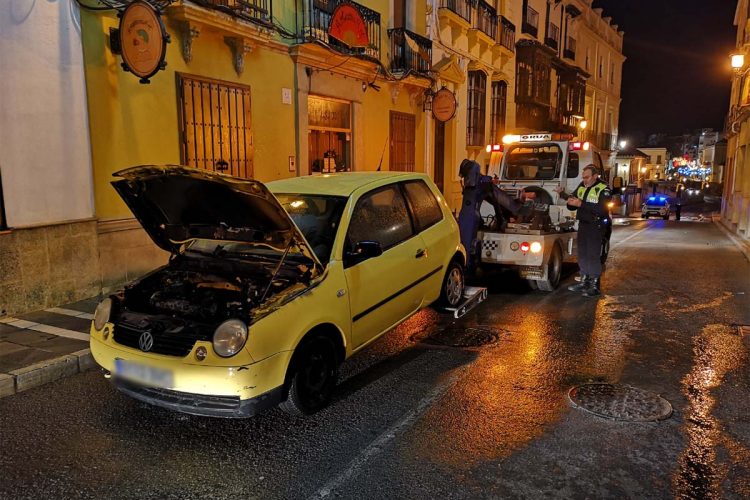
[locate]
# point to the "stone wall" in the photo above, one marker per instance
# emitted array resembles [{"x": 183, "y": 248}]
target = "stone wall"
[
  {"x": 47, "y": 266},
  {"x": 125, "y": 253}
]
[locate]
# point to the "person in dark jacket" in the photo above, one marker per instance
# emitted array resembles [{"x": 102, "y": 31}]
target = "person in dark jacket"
[{"x": 590, "y": 201}]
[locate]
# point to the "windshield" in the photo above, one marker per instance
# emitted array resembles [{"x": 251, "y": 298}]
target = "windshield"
[
  {"x": 533, "y": 162},
  {"x": 317, "y": 217}
]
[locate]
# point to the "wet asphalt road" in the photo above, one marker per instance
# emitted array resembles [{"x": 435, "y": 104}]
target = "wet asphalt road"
[{"x": 415, "y": 420}]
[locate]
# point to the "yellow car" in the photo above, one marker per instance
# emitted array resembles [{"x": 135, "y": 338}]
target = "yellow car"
[{"x": 266, "y": 294}]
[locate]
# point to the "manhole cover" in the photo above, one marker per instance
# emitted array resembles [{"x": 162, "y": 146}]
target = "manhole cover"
[
  {"x": 620, "y": 402},
  {"x": 456, "y": 336}
]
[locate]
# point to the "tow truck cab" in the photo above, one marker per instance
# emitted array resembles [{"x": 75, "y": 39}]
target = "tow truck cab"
[{"x": 537, "y": 163}]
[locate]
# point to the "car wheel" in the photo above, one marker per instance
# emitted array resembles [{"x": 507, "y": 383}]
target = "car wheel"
[
  {"x": 452, "y": 291},
  {"x": 312, "y": 383},
  {"x": 554, "y": 270}
]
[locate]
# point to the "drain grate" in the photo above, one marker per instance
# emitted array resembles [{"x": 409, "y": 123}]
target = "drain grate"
[
  {"x": 620, "y": 402},
  {"x": 457, "y": 336}
]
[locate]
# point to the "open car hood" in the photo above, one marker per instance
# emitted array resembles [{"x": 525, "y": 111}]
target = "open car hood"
[{"x": 176, "y": 204}]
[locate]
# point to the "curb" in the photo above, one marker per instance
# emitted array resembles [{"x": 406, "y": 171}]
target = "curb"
[
  {"x": 45, "y": 372},
  {"x": 741, "y": 245}
]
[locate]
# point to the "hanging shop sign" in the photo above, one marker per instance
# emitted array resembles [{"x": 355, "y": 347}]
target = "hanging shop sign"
[
  {"x": 348, "y": 26},
  {"x": 444, "y": 105},
  {"x": 328, "y": 114},
  {"x": 143, "y": 40}
]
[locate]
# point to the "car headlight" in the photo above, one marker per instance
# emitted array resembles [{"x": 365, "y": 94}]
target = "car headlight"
[
  {"x": 102, "y": 313},
  {"x": 230, "y": 337}
]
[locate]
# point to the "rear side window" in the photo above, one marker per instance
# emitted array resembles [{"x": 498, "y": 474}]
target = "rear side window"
[
  {"x": 423, "y": 203},
  {"x": 573, "y": 165},
  {"x": 381, "y": 216}
]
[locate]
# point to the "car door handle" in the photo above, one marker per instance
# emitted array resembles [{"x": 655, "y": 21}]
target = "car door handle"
[{"x": 422, "y": 252}]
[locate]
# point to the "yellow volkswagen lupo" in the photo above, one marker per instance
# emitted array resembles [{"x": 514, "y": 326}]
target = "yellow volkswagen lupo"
[{"x": 266, "y": 294}]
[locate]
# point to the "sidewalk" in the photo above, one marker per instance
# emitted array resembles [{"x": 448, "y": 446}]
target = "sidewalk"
[{"x": 43, "y": 346}]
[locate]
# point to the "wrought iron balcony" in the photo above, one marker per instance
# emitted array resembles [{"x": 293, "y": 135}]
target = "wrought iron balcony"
[
  {"x": 410, "y": 52},
  {"x": 553, "y": 35},
  {"x": 257, "y": 11},
  {"x": 530, "y": 22},
  {"x": 461, "y": 7},
  {"x": 317, "y": 20},
  {"x": 570, "y": 49},
  {"x": 507, "y": 34},
  {"x": 486, "y": 19}
]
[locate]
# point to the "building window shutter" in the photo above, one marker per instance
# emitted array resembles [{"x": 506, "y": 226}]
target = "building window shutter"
[
  {"x": 476, "y": 108},
  {"x": 403, "y": 136}
]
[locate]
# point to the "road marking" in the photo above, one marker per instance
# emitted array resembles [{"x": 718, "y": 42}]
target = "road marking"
[
  {"x": 378, "y": 446},
  {"x": 70, "y": 312},
  {"x": 38, "y": 327},
  {"x": 630, "y": 237}
]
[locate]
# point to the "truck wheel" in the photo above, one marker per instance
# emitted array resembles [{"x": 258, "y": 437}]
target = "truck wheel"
[{"x": 554, "y": 270}]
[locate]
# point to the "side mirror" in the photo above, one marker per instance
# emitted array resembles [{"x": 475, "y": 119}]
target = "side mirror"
[{"x": 363, "y": 250}]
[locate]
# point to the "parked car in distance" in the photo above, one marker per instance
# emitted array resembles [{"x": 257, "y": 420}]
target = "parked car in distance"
[
  {"x": 269, "y": 288},
  {"x": 657, "y": 206}
]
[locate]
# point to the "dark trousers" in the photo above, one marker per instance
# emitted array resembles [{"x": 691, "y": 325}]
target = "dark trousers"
[{"x": 590, "y": 237}]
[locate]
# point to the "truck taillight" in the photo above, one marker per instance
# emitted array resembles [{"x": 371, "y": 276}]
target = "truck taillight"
[
  {"x": 525, "y": 247},
  {"x": 536, "y": 247},
  {"x": 494, "y": 148},
  {"x": 577, "y": 146}
]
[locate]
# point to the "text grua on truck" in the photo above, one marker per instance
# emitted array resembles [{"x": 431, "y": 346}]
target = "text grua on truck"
[{"x": 531, "y": 166}]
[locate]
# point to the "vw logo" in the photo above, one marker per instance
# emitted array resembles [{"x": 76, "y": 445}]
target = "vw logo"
[{"x": 146, "y": 341}]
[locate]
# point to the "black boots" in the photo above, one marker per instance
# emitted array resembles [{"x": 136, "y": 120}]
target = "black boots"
[
  {"x": 581, "y": 285},
  {"x": 592, "y": 288}
]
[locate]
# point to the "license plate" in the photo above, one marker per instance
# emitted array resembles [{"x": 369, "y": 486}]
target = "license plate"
[{"x": 143, "y": 374}]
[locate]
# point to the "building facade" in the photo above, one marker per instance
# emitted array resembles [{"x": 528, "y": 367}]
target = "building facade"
[{"x": 735, "y": 209}]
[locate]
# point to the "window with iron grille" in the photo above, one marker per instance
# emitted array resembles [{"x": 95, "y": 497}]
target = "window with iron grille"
[
  {"x": 216, "y": 126},
  {"x": 403, "y": 134},
  {"x": 476, "y": 108},
  {"x": 497, "y": 111}
]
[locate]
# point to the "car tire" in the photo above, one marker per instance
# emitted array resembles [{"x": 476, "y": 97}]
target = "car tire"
[
  {"x": 554, "y": 271},
  {"x": 452, "y": 289},
  {"x": 311, "y": 384}
]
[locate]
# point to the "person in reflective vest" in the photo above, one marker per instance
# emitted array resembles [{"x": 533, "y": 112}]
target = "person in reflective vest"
[{"x": 590, "y": 201}]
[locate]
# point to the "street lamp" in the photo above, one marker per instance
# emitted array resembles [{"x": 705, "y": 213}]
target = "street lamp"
[
  {"x": 738, "y": 61},
  {"x": 583, "y": 124},
  {"x": 623, "y": 144}
]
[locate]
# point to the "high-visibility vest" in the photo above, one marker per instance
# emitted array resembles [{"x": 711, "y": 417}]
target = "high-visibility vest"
[{"x": 593, "y": 192}]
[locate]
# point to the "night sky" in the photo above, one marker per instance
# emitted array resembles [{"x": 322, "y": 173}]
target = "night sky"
[{"x": 677, "y": 73}]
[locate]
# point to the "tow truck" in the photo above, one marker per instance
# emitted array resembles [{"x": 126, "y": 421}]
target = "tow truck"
[{"x": 523, "y": 223}]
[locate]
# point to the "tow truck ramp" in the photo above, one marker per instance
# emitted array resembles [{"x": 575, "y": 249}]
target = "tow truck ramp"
[{"x": 473, "y": 296}]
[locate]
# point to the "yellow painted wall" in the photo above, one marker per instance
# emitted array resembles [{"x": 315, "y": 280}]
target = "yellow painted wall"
[{"x": 133, "y": 124}]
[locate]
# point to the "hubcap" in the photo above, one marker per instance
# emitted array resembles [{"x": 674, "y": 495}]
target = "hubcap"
[{"x": 454, "y": 286}]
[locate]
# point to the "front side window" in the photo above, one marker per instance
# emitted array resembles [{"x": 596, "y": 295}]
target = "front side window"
[
  {"x": 424, "y": 204},
  {"x": 476, "y": 108},
  {"x": 537, "y": 162},
  {"x": 381, "y": 216}
]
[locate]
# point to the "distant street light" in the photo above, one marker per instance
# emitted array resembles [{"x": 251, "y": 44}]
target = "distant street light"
[
  {"x": 623, "y": 144},
  {"x": 738, "y": 61}
]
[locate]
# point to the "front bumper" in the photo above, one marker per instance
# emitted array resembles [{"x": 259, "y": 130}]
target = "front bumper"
[
  {"x": 202, "y": 404},
  {"x": 198, "y": 388}
]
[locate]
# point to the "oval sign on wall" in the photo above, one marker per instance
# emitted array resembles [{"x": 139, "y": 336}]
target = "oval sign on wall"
[
  {"x": 444, "y": 105},
  {"x": 143, "y": 40}
]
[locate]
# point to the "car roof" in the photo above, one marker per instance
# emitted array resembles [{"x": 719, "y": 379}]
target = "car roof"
[{"x": 338, "y": 184}]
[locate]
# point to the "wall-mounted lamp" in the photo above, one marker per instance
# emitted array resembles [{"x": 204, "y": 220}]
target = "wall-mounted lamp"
[
  {"x": 738, "y": 62},
  {"x": 623, "y": 144},
  {"x": 427, "y": 103},
  {"x": 583, "y": 124}
]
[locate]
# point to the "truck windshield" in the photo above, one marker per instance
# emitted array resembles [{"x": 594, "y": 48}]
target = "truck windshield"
[{"x": 527, "y": 162}]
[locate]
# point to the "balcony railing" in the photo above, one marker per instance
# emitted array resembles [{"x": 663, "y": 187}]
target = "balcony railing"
[
  {"x": 486, "y": 19},
  {"x": 461, "y": 7},
  {"x": 258, "y": 11},
  {"x": 317, "y": 20},
  {"x": 570, "y": 49},
  {"x": 530, "y": 22},
  {"x": 507, "y": 34},
  {"x": 553, "y": 35},
  {"x": 410, "y": 52}
]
